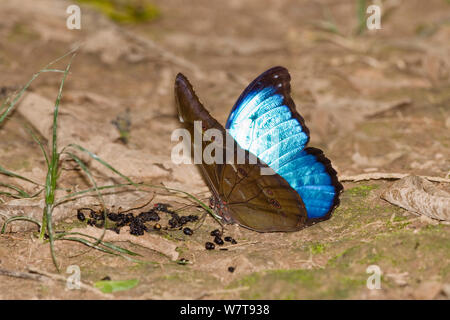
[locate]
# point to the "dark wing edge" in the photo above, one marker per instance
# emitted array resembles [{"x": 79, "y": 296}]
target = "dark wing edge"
[
  {"x": 320, "y": 156},
  {"x": 265, "y": 79}
]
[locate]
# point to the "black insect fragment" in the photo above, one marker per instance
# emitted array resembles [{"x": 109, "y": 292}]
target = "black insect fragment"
[
  {"x": 164, "y": 207},
  {"x": 216, "y": 233},
  {"x": 218, "y": 240},
  {"x": 209, "y": 246},
  {"x": 188, "y": 231},
  {"x": 80, "y": 215},
  {"x": 137, "y": 227},
  {"x": 149, "y": 216},
  {"x": 231, "y": 269}
]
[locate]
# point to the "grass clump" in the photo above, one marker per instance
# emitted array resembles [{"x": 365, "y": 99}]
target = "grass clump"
[{"x": 53, "y": 159}]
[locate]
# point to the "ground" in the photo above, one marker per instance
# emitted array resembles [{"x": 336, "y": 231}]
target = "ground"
[{"x": 375, "y": 101}]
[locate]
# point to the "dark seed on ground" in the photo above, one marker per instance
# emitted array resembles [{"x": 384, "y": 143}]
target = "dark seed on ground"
[
  {"x": 233, "y": 241},
  {"x": 218, "y": 240},
  {"x": 188, "y": 231},
  {"x": 209, "y": 246},
  {"x": 161, "y": 207},
  {"x": 228, "y": 239},
  {"x": 107, "y": 278},
  {"x": 149, "y": 216},
  {"x": 231, "y": 269},
  {"x": 192, "y": 218},
  {"x": 80, "y": 215},
  {"x": 216, "y": 233}
]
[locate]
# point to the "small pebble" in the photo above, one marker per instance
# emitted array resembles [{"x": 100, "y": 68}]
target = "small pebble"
[
  {"x": 188, "y": 231},
  {"x": 209, "y": 246},
  {"x": 157, "y": 226}
]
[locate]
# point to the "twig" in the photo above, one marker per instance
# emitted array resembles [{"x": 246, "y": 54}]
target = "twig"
[
  {"x": 387, "y": 176},
  {"x": 57, "y": 277},
  {"x": 21, "y": 275}
]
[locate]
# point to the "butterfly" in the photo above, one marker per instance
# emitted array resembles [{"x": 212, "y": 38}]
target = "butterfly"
[{"x": 263, "y": 123}]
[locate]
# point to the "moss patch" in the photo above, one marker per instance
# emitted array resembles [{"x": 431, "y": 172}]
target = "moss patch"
[{"x": 131, "y": 11}]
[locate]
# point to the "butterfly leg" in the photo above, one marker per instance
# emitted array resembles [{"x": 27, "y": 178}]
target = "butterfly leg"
[{"x": 220, "y": 209}]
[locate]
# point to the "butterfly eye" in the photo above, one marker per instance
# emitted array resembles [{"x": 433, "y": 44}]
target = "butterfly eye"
[
  {"x": 242, "y": 172},
  {"x": 275, "y": 203}
]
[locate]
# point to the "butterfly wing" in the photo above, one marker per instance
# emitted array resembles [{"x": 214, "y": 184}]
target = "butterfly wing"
[
  {"x": 259, "y": 202},
  {"x": 264, "y": 121}
]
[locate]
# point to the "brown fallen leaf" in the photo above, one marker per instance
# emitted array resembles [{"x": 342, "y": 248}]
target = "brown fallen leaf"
[
  {"x": 150, "y": 241},
  {"x": 419, "y": 196}
]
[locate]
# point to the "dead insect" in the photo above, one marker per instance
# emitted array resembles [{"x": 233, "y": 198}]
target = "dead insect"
[
  {"x": 188, "y": 231},
  {"x": 216, "y": 233},
  {"x": 209, "y": 246}
]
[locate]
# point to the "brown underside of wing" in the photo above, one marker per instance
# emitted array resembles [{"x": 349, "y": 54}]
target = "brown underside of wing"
[{"x": 264, "y": 203}]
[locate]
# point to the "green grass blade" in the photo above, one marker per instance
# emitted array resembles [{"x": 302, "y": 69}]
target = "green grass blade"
[
  {"x": 361, "y": 15},
  {"x": 103, "y": 162},
  {"x": 15, "y": 175},
  {"x": 106, "y": 244},
  {"x": 36, "y": 139},
  {"x": 24, "y": 218},
  {"x": 21, "y": 92},
  {"x": 21, "y": 193},
  {"x": 78, "y": 193},
  {"x": 88, "y": 173}
]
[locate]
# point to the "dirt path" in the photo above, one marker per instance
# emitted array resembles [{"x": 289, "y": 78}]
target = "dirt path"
[{"x": 377, "y": 102}]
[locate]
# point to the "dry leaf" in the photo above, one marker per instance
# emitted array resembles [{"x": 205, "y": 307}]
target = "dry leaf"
[{"x": 419, "y": 196}]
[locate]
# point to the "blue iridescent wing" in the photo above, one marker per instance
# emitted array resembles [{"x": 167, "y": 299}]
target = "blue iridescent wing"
[
  {"x": 264, "y": 121},
  {"x": 263, "y": 203}
]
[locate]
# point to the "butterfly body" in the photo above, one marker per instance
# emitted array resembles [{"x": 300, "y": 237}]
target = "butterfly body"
[{"x": 303, "y": 188}]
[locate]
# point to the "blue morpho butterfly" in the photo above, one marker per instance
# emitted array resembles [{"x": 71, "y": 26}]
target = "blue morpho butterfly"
[{"x": 305, "y": 188}]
